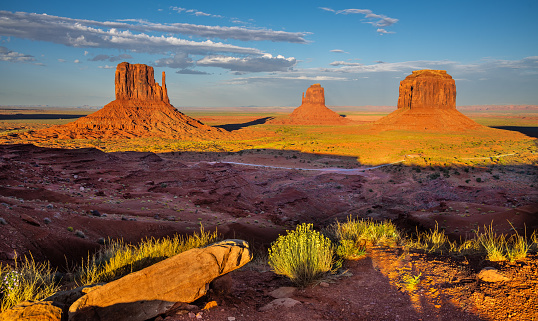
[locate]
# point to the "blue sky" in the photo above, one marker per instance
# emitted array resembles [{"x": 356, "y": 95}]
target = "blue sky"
[{"x": 250, "y": 53}]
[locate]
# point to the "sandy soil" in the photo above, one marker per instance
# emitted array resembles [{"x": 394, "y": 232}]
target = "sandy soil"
[{"x": 131, "y": 195}]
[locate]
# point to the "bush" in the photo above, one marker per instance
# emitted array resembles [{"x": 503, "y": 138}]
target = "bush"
[
  {"x": 26, "y": 281},
  {"x": 303, "y": 255}
]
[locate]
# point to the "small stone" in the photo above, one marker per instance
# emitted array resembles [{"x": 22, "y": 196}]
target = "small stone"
[
  {"x": 80, "y": 234},
  {"x": 324, "y": 284},
  {"x": 101, "y": 241},
  {"x": 3, "y": 221},
  {"x": 231, "y": 318},
  {"x": 283, "y": 292},
  {"x": 95, "y": 213},
  {"x": 209, "y": 305},
  {"x": 489, "y": 274},
  {"x": 30, "y": 220},
  {"x": 47, "y": 220},
  {"x": 277, "y": 303},
  {"x": 192, "y": 315},
  {"x": 199, "y": 315},
  {"x": 50, "y": 206}
]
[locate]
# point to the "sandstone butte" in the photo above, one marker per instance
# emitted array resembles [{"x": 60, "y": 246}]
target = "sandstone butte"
[
  {"x": 141, "y": 109},
  {"x": 313, "y": 110},
  {"x": 427, "y": 101}
]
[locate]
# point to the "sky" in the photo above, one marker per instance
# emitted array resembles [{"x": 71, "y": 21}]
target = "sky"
[{"x": 266, "y": 53}]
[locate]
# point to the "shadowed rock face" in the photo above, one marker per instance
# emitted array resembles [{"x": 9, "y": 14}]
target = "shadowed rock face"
[
  {"x": 141, "y": 109},
  {"x": 313, "y": 109},
  {"x": 427, "y": 101}
]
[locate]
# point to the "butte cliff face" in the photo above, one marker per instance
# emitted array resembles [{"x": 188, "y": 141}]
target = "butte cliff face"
[
  {"x": 313, "y": 110},
  {"x": 141, "y": 109},
  {"x": 427, "y": 101}
]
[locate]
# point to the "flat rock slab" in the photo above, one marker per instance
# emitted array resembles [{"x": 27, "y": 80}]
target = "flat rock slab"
[
  {"x": 154, "y": 290},
  {"x": 33, "y": 311}
]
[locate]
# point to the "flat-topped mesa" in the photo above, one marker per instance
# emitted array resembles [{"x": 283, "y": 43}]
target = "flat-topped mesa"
[
  {"x": 427, "y": 101},
  {"x": 428, "y": 89},
  {"x": 136, "y": 81},
  {"x": 315, "y": 95}
]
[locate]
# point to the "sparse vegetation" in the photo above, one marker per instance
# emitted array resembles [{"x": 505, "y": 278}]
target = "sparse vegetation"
[
  {"x": 303, "y": 255},
  {"x": 495, "y": 247},
  {"x": 27, "y": 280},
  {"x": 360, "y": 232},
  {"x": 117, "y": 258}
]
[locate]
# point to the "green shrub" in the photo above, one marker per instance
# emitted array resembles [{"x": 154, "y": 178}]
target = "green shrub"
[
  {"x": 303, "y": 255},
  {"x": 26, "y": 281}
]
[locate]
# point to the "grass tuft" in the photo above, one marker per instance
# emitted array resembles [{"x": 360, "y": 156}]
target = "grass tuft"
[{"x": 26, "y": 281}]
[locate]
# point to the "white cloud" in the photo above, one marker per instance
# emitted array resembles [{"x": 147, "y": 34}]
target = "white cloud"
[
  {"x": 121, "y": 35},
  {"x": 345, "y": 63},
  {"x": 191, "y": 72},
  {"x": 180, "y": 61},
  {"x": 12, "y": 56},
  {"x": 377, "y": 20},
  {"x": 62, "y": 60},
  {"x": 264, "y": 63},
  {"x": 195, "y": 12},
  {"x": 279, "y": 78},
  {"x": 76, "y": 61},
  {"x": 383, "y": 31},
  {"x": 339, "y": 51},
  {"x": 107, "y": 67},
  {"x": 111, "y": 58}
]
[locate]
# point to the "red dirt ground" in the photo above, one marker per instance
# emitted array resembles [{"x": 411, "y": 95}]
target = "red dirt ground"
[{"x": 144, "y": 194}]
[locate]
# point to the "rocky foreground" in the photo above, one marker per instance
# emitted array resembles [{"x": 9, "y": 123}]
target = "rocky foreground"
[{"x": 59, "y": 204}]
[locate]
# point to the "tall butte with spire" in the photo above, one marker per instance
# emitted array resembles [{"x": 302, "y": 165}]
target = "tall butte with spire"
[
  {"x": 313, "y": 109},
  {"x": 427, "y": 101},
  {"x": 141, "y": 109}
]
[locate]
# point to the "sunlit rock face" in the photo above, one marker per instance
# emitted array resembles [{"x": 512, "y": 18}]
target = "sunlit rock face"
[
  {"x": 313, "y": 109},
  {"x": 427, "y": 101},
  {"x": 428, "y": 89},
  {"x": 141, "y": 109}
]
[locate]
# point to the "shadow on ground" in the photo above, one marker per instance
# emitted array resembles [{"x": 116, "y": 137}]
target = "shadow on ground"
[
  {"x": 39, "y": 116},
  {"x": 529, "y": 131},
  {"x": 232, "y": 127}
]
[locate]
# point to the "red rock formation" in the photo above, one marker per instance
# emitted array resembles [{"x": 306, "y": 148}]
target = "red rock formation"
[
  {"x": 313, "y": 110},
  {"x": 141, "y": 109},
  {"x": 427, "y": 101},
  {"x": 137, "y": 82}
]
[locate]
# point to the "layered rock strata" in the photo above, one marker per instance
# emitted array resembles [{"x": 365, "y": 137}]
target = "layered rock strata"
[
  {"x": 313, "y": 110},
  {"x": 141, "y": 109},
  {"x": 427, "y": 101}
]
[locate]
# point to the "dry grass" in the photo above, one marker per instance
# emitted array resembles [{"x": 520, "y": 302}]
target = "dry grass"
[
  {"x": 495, "y": 247},
  {"x": 118, "y": 258},
  {"x": 27, "y": 280}
]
